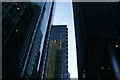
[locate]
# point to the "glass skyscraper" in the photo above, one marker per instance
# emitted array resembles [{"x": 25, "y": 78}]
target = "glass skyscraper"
[
  {"x": 57, "y": 54},
  {"x": 98, "y": 40},
  {"x": 24, "y": 26}
]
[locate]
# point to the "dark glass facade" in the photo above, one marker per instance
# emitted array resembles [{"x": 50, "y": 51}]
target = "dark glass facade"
[
  {"x": 98, "y": 40},
  {"x": 24, "y": 26},
  {"x": 57, "y": 53}
]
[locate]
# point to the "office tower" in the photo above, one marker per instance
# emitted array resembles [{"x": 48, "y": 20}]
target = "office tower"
[
  {"x": 68, "y": 76},
  {"x": 57, "y": 54},
  {"x": 97, "y": 39},
  {"x": 24, "y": 26}
]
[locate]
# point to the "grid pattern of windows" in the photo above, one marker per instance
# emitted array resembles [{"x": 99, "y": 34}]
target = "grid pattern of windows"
[
  {"x": 18, "y": 20},
  {"x": 57, "y": 59},
  {"x": 53, "y": 62}
]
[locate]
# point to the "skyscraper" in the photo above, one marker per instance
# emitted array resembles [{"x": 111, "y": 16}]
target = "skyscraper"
[
  {"x": 98, "y": 39},
  {"x": 57, "y": 54},
  {"x": 24, "y": 26}
]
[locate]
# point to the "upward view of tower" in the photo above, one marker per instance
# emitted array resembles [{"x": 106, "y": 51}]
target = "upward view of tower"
[
  {"x": 98, "y": 40},
  {"x": 57, "y": 58},
  {"x": 24, "y": 27}
]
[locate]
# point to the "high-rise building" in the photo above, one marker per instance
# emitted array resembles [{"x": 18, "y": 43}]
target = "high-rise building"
[
  {"x": 57, "y": 54},
  {"x": 68, "y": 76},
  {"x": 24, "y": 27},
  {"x": 97, "y": 40}
]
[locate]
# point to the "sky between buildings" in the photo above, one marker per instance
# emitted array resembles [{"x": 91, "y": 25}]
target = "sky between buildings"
[{"x": 64, "y": 16}]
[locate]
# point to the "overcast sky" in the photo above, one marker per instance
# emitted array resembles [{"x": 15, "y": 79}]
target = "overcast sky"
[{"x": 64, "y": 16}]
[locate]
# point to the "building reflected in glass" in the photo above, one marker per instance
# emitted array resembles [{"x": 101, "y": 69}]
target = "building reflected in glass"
[{"x": 24, "y": 27}]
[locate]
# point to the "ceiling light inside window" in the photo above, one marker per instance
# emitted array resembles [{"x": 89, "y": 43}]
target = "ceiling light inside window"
[
  {"x": 116, "y": 45},
  {"x": 18, "y": 8},
  {"x": 15, "y": 3},
  {"x": 102, "y": 67},
  {"x": 16, "y": 30},
  {"x": 108, "y": 68}
]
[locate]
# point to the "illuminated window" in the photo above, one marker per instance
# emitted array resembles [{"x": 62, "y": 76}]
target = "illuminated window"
[
  {"x": 16, "y": 30},
  {"x": 102, "y": 67},
  {"x": 18, "y": 8},
  {"x": 15, "y": 3},
  {"x": 116, "y": 45},
  {"x": 55, "y": 41},
  {"x": 108, "y": 68},
  {"x": 60, "y": 46}
]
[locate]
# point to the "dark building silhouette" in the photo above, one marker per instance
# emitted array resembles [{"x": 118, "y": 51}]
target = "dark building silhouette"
[
  {"x": 97, "y": 39},
  {"x": 24, "y": 26},
  {"x": 57, "y": 54}
]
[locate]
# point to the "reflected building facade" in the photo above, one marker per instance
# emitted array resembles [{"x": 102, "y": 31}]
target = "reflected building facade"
[
  {"x": 24, "y": 26},
  {"x": 97, "y": 40},
  {"x": 57, "y": 54}
]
